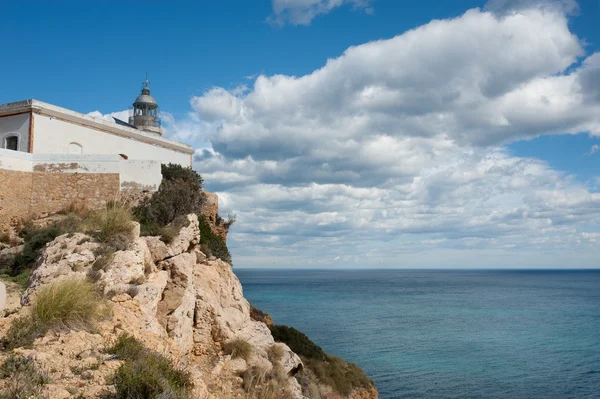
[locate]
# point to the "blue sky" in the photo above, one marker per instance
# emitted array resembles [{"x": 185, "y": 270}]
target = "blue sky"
[{"x": 441, "y": 143}]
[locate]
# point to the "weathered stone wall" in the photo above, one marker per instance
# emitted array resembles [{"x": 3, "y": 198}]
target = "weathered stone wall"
[
  {"x": 33, "y": 194},
  {"x": 15, "y": 196},
  {"x": 52, "y": 192}
]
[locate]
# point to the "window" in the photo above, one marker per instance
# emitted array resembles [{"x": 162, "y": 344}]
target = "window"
[{"x": 12, "y": 143}]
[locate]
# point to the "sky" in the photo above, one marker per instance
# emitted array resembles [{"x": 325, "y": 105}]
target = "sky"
[{"x": 352, "y": 133}]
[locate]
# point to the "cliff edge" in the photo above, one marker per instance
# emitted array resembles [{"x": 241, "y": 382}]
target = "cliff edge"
[{"x": 186, "y": 310}]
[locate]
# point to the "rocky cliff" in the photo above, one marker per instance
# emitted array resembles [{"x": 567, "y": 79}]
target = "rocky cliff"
[{"x": 171, "y": 297}]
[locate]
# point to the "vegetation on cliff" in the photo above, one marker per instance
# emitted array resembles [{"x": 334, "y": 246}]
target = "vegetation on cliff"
[
  {"x": 146, "y": 374},
  {"x": 180, "y": 194},
  {"x": 320, "y": 368},
  {"x": 64, "y": 305}
]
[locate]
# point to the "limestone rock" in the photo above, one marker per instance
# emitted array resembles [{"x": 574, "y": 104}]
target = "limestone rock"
[
  {"x": 173, "y": 298},
  {"x": 188, "y": 236}
]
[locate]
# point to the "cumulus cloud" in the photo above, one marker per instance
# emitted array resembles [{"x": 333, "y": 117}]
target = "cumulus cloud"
[
  {"x": 595, "y": 148},
  {"x": 395, "y": 148},
  {"x": 393, "y": 153},
  {"x": 508, "y": 6},
  {"x": 302, "y": 12},
  {"x": 122, "y": 115}
]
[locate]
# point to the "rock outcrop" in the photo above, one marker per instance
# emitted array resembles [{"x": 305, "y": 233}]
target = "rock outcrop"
[{"x": 173, "y": 298}]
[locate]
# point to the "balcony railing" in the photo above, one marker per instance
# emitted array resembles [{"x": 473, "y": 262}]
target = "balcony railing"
[{"x": 145, "y": 120}]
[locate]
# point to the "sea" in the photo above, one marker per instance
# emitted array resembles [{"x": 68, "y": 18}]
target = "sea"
[{"x": 447, "y": 334}]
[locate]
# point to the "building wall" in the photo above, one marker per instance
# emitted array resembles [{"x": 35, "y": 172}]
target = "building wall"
[
  {"x": 15, "y": 196},
  {"x": 32, "y": 185},
  {"x": 15, "y": 124},
  {"x": 54, "y": 136},
  {"x": 140, "y": 175},
  {"x": 51, "y": 192}
]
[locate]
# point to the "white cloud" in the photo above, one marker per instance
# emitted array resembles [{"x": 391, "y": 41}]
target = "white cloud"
[
  {"x": 394, "y": 149},
  {"x": 302, "y": 12},
  {"x": 392, "y": 154},
  {"x": 122, "y": 115},
  {"x": 595, "y": 148}
]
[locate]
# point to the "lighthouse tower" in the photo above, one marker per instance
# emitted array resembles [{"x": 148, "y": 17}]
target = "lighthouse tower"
[{"x": 145, "y": 111}]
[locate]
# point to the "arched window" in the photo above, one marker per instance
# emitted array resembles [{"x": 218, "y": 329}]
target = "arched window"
[
  {"x": 75, "y": 148},
  {"x": 12, "y": 143}
]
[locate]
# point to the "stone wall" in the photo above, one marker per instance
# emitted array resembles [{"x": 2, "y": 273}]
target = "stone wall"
[
  {"x": 25, "y": 195},
  {"x": 15, "y": 196},
  {"x": 52, "y": 192}
]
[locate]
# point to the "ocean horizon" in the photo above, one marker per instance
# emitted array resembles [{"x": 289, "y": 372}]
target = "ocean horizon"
[{"x": 447, "y": 333}]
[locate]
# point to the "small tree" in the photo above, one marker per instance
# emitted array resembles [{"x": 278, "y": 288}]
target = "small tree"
[{"x": 179, "y": 194}]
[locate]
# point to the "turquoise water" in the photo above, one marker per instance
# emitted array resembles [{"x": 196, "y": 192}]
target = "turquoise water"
[{"x": 448, "y": 334}]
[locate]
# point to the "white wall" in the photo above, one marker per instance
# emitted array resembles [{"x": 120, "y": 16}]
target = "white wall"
[
  {"x": 54, "y": 136},
  {"x": 134, "y": 174},
  {"x": 64, "y": 163},
  {"x": 140, "y": 175},
  {"x": 15, "y": 124}
]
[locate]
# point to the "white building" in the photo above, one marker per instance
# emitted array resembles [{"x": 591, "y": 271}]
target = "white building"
[
  {"x": 39, "y": 128},
  {"x": 51, "y": 156}
]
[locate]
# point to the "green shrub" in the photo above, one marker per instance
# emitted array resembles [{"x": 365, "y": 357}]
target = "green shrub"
[
  {"x": 215, "y": 243},
  {"x": 189, "y": 176},
  {"x": 341, "y": 376},
  {"x": 329, "y": 370},
  {"x": 146, "y": 374},
  {"x": 21, "y": 279},
  {"x": 67, "y": 304},
  {"x": 35, "y": 241},
  {"x": 127, "y": 347},
  {"x": 238, "y": 348},
  {"x": 112, "y": 225},
  {"x": 179, "y": 194},
  {"x": 297, "y": 341},
  {"x": 23, "y": 379}
]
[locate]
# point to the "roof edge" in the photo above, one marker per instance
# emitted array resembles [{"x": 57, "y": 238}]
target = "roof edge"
[{"x": 43, "y": 108}]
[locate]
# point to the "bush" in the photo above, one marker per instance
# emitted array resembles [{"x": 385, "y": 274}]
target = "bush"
[
  {"x": 20, "y": 279},
  {"x": 67, "y": 304},
  {"x": 329, "y": 370},
  {"x": 24, "y": 380},
  {"x": 146, "y": 374},
  {"x": 112, "y": 225},
  {"x": 341, "y": 376},
  {"x": 35, "y": 241},
  {"x": 238, "y": 348},
  {"x": 297, "y": 341},
  {"x": 179, "y": 194},
  {"x": 215, "y": 243}
]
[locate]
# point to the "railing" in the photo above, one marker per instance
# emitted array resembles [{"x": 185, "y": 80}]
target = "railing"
[{"x": 145, "y": 120}]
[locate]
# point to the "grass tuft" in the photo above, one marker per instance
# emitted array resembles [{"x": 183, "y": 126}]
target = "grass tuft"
[
  {"x": 112, "y": 225},
  {"x": 146, "y": 374},
  {"x": 238, "y": 348},
  {"x": 68, "y": 304}
]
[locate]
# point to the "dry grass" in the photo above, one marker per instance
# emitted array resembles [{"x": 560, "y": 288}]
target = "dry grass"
[
  {"x": 76, "y": 207},
  {"x": 74, "y": 304},
  {"x": 65, "y": 305},
  {"x": 238, "y": 348},
  {"x": 112, "y": 225}
]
